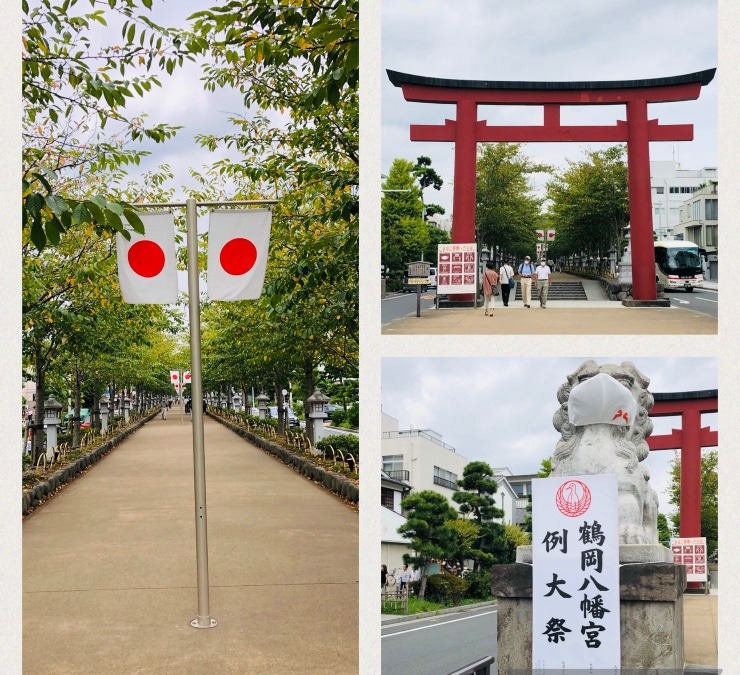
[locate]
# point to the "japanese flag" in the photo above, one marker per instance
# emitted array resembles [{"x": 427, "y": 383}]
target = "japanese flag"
[
  {"x": 551, "y": 235},
  {"x": 540, "y": 235},
  {"x": 238, "y": 242},
  {"x": 186, "y": 377},
  {"x": 147, "y": 271},
  {"x": 175, "y": 379}
]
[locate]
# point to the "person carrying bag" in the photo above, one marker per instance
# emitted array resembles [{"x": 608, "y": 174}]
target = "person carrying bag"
[
  {"x": 490, "y": 287},
  {"x": 506, "y": 275}
]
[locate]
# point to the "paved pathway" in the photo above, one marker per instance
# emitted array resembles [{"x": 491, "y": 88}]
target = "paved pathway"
[
  {"x": 595, "y": 316},
  {"x": 109, "y": 571}
]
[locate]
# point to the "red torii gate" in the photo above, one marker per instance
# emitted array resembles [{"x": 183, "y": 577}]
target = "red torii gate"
[
  {"x": 690, "y": 439},
  {"x": 637, "y": 131}
]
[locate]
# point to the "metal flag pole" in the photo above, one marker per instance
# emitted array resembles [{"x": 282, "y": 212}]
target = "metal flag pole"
[{"x": 204, "y": 619}]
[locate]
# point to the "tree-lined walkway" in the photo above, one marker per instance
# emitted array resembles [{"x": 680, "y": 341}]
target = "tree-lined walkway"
[{"x": 109, "y": 568}]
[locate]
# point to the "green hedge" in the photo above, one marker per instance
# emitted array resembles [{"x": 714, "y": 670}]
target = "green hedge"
[
  {"x": 343, "y": 442},
  {"x": 479, "y": 584},
  {"x": 446, "y": 588}
]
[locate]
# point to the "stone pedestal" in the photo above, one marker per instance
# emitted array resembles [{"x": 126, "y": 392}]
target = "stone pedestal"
[{"x": 651, "y": 616}]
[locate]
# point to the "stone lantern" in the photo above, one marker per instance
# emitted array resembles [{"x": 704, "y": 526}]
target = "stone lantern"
[
  {"x": 236, "y": 401},
  {"x": 262, "y": 401},
  {"x": 52, "y": 419},
  {"x": 315, "y": 409},
  {"x": 104, "y": 407},
  {"x": 126, "y": 409}
]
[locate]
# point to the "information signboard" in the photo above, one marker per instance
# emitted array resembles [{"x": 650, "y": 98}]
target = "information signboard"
[
  {"x": 692, "y": 553},
  {"x": 575, "y": 576},
  {"x": 456, "y": 268}
]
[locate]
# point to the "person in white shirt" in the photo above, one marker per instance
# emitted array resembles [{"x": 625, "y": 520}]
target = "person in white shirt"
[
  {"x": 544, "y": 276},
  {"x": 405, "y": 577},
  {"x": 526, "y": 272},
  {"x": 505, "y": 274}
]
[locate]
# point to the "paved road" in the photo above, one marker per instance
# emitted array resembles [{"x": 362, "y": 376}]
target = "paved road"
[
  {"x": 439, "y": 645},
  {"x": 700, "y": 300},
  {"x": 109, "y": 570},
  {"x": 398, "y": 305}
]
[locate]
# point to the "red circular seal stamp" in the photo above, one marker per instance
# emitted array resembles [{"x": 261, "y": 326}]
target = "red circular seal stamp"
[{"x": 573, "y": 498}]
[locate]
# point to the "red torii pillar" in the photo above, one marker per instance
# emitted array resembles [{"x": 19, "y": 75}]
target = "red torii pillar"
[
  {"x": 466, "y": 131},
  {"x": 690, "y": 439}
]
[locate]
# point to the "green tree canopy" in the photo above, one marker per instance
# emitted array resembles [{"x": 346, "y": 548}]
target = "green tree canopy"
[
  {"x": 427, "y": 513},
  {"x": 507, "y": 212},
  {"x": 476, "y": 500},
  {"x": 75, "y": 122},
  {"x": 589, "y": 203},
  {"x": 709, "y": 497}
]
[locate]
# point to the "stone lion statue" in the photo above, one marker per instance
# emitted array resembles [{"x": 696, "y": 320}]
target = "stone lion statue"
[{"x": 615, "y": 445}]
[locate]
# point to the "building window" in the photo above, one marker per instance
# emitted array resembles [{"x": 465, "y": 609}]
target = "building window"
[
  {"x": 710, "y": 209},
  {"x": 673, "y": 190},
  {"x": 659, "y": 190},
  {"x": 695, "y": 210},
  {"x": 386, "y": 498},
  {"x": 392, "y": 463},
  {"x": 711, "y": 235},
  {"x": 445, "y": 478},
  {"x": 518, "y": 489}
]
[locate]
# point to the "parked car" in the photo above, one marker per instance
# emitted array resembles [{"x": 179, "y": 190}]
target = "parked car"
[{"x": 292, "y": 419}]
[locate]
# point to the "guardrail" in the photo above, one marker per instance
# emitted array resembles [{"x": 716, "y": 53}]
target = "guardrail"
[{"x": 480, "y": 667}]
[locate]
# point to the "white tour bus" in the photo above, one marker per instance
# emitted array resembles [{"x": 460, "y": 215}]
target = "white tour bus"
[{"x": 678, "y": 265}]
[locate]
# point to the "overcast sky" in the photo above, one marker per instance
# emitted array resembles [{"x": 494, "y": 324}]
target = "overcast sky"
[
  {"x": 540, "y": 40},
  {"x": 181, "y": 101},
  {"x": 500, "y": 410}
]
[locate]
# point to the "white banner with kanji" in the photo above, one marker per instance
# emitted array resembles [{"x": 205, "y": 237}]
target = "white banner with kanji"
[
  {"x": 456, "y": 268},
  {"x": 692, "y": 553},
  {"x": 575, "y": 576}
]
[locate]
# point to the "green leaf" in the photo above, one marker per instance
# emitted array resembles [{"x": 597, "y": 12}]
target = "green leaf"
[
  {"x": 114, "y": 220},
  {"x": 134, "y": 221}
]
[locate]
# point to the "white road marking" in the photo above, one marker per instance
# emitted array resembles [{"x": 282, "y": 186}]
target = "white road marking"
[{"x": 443, "y": 623}]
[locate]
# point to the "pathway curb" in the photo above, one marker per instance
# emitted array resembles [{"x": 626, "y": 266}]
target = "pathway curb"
[
  {"x": 41, "y": 492},
  {"x": 331, "y": 481},
  {"x": 449, "y": 610}
]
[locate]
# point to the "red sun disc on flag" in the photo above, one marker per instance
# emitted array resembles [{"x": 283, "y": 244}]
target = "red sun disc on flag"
[
  {"x": 146, "y": 258},
  {"x": 238, "y": 256},
  {"x": 573, "y": 498},
  {"x": 174, "y": 376}
]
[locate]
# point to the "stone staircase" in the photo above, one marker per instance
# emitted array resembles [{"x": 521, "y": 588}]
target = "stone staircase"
[{"x": 559, "y": 290}]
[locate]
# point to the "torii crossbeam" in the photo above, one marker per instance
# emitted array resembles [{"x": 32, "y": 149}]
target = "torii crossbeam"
[{"x": 466, "y": 131}]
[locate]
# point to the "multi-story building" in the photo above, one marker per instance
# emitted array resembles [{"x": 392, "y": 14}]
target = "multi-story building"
[
  {"x": 699, "y": 224},
  {"x": 420, "y": 458},
  {"x": 670, "y": 187}
]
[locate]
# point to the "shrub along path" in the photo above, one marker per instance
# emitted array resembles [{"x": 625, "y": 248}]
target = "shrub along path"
[{"x": 109, "y": 570}]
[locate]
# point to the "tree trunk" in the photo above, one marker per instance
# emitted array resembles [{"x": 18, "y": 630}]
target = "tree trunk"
[
  {"x": 280, "y": 407},
  {"x": 423, "y": 582},
  {"x": 76, "y": 421},
  {"x": 38, "y": 415},
  {"x": 308, "y": 388}
]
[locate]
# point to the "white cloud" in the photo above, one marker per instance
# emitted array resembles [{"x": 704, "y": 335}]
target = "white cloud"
[
  {"x": 545, "y": 41},
  {"x": 500, "y": 410}
]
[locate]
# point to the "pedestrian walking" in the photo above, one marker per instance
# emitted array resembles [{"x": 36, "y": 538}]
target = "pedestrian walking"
[
  {"x": 405, "y": 577},
  {"x": 383, "y": 576},
  {"x": 489, "y": 284},
  {"x": 526, "y": 272},
  {"x": 506, "y": 277},
  {"x": 543, "y": 279},
  {"x": 205, "y": 405},
  {"x": 164, "y": 411}
]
